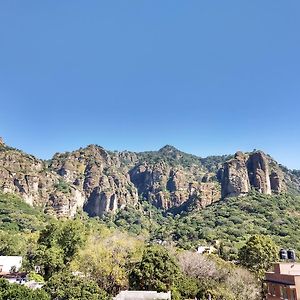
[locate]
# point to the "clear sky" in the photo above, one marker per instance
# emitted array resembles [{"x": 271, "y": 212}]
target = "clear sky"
[{"x": 209, "y": 77}]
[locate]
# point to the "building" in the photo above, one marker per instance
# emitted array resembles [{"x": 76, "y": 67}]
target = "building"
[
  {"x": 16, "y": 277},
  {"x": 206, "y": 249},
  {"x": 283, "y": 282},
  {"x": 142, "y": 295},
  {"x": 10, "y": 264}
]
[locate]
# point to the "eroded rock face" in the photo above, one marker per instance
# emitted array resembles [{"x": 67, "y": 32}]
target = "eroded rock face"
[
  {"x": 101, "y": 176},
  {"x": 259, "y": 176},
  {"x": 169, "y": 187},
  {"x": 29, "y": 177},
  {"x": 250, "y": 171},
  {"x": 100, "y": 181},
  {"x": 204, "y": 193},
  {"x": 234, "y": 177},
  {"x": 277, "y": 182}
]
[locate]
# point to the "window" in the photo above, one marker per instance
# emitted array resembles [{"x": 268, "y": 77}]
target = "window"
[
  {"x": 272, "y": 289},
  {"x": 273, "y": 292},
  {"x": 283, "y": 293},
  {"x": 293, "y": 294}
]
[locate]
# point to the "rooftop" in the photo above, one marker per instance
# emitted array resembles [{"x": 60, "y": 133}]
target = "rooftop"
[{"x": 287, "y": 269}]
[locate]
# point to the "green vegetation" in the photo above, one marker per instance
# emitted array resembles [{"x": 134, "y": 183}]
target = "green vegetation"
[
  {"x": 63, "y": 186},
  {"x": 157, "y": 271},
  {"x": 145, "y": 248},
  {"x": 258, "y": 254},
  {"x": 17, "y": 216},
  {"x": 231, "y": 222},
  {"x": 66, "y": 286},
  {"x": 170, "y": 155},
  {"x": 57, "y": 245},
  {"x": 19, "y": 292}
]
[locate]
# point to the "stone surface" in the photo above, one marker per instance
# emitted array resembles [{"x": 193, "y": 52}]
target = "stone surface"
[
  {"x": 101, "y": 181},
  {"x": 234, "y": 176},
  {"x": 259, "y": 175}
]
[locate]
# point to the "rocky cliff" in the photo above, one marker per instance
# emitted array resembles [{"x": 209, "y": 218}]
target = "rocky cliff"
[
  {"x": 101, "y": 181},
  {"x": 253, "y": 171},
  {"x": 31, "y": 178}
]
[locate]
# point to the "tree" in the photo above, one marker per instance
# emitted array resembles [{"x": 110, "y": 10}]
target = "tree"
[
  {"x": 58, "y": 244},
  {"x": 158, "y": 270},
  {"x": 188, "y": 287},
  {"x": 108, "y": 257},
  {"x": 243, "y": 284},
  {"x": 258, "y": 254},
  {"x": 11, "y": 244},
  {"x": 215, "y": 277},
  {"x": 198, "y": 266},
  {"x": 65, "y": 286},
  {"x": 20, "y": 292}
]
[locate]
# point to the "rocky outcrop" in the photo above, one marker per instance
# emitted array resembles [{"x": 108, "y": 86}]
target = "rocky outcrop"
[
  {"x": 250, "y": 171},
  {"x": 277, "y": 182},
  {"x": 168, "y": 187},
  {"x": 258, "y": 170},
  {"x": 101, "y": 176},
  {"x": 101, "y": 181},
  {"x": 204, "y": 193},
  {"x": 234, "y": 176},
  {"x": 30, "y": 178}
]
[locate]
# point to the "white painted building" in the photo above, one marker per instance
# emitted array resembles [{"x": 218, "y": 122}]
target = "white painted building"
[
  {"x": 10, "y": 263},
  {"x": 142, "y": 295},
  {"x": 206, "y": 249}
]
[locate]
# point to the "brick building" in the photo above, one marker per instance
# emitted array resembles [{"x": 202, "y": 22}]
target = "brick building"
[{"x": 283, "y": 282}]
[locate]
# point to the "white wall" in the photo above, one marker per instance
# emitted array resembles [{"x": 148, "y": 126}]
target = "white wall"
[{"x": 7, "y": 262}]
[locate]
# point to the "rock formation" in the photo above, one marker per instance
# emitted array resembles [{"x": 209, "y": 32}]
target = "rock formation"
[
  {"x": 258, "y": 170},
  {"x": 30, "y": 178},
  {"x": 101, "y": 181},
  {"x": 234, "y": 176},
  {"x": 250, "y": 171},
  {"x": 101, "y": 176}
]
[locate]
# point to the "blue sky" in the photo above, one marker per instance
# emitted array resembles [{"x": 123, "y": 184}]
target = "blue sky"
[{"x": 209, "y": 77}]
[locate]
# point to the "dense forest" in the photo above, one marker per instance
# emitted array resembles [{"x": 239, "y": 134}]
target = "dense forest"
[{"x": 146, "y": 248}]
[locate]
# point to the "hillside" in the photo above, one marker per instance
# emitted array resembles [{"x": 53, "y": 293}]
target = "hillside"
[
  {"x": 100, "y": 181},
  {"x": 231, "y": 222}
]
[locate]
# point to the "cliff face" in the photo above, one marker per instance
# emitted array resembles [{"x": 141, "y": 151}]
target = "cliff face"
[
  {"x": 234, "y": 176},
  {"x": 30, "y": 178},
  {"x": 101, "y": 181},
  {"x": 168, "y": 186},
  {"x": 251, "y": 171},
  {"x": 101, "y": 176}
]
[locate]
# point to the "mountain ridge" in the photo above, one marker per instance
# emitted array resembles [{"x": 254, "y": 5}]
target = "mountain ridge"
[{"x": 101, "y": 181}]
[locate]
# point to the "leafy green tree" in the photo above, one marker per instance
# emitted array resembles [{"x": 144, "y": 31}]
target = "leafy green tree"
[
  {"x": 58, "y": 244},
  {"x": 20, "y": 292},
  {"x": 108, "y": 257},
  {"x": 258, "y": 254},
  {"x": 11, "y": 244},
  {"x": 188, "y": 287},
  {"x": 65, "y": 286},
  {"x": 158, "y": 270}
]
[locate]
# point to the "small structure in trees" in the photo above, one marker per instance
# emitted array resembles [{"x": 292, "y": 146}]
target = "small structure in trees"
[
  {"x": 142, "y": 295},
  {"x": 10, "y": 264}
]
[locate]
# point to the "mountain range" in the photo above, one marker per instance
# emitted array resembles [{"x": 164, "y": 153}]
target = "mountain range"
[{"x": 101, "y": 181}]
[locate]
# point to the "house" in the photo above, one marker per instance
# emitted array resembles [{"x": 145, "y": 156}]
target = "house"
[
  {"x": 142, "y": 295},
  {"x": 10, "y": 264},
  {"x": 206, "y": 249},
  {"x": 283, "y": 282},
  {"x": 15, "y": 277}
]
